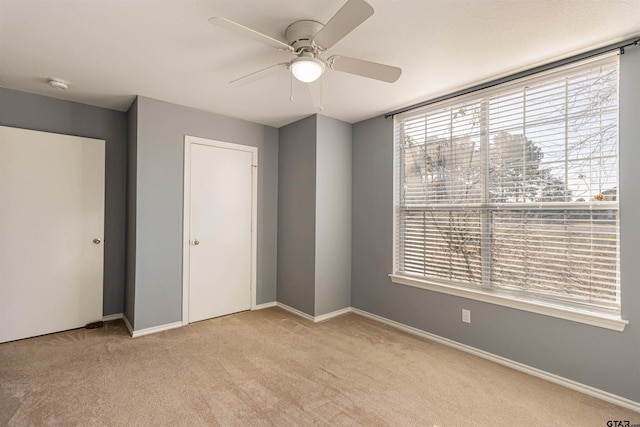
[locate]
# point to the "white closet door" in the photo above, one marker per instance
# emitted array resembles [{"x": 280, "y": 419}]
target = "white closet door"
[
  {"x": 51, "y": 232},
  {"x": 221, "y": 235}
]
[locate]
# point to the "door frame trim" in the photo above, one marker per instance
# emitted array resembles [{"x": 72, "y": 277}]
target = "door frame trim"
[{"x": 186, "y": 216}]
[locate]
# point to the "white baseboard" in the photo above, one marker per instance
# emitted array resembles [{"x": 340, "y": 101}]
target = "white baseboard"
[
  {"x": 573, "y": 385},
  {"x": 295, "y": 311},
  {"x": 147, "y": 331},
  {"x": 265, "y": 305},
  {"x": 155, "y": 329},
  {"x": 110, "y": 317},
  {"x": 331, "y": 315},
  {"x": 315, "y": 319},
  {"x": 127, "y": 324}
]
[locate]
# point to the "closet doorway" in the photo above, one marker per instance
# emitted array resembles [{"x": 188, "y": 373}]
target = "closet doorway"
[
  {"x": 219, "y": 266},
  {"x": 51, "y": 232}
]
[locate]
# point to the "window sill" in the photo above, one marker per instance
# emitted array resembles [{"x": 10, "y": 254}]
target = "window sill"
[{"x": 602, "y": 321}]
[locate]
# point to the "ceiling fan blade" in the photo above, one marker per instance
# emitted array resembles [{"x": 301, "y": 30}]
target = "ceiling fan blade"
[
  {"x": 248, "y": 32},
  {"x": 372, "y": 70},
  {"x": 256, "y": 75},
  {"x": 352, "y": 14}
]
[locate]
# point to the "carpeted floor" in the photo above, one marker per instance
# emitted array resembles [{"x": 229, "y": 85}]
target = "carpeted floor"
[{"x": 270, "y": 367}]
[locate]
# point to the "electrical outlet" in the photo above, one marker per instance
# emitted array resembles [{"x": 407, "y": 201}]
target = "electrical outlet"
[{"x": 466, "y": 316}]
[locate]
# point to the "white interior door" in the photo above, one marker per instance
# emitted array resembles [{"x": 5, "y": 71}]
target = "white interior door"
[
  {"x": 51, "y": 210},
  {"x": 221, "y": 246}
]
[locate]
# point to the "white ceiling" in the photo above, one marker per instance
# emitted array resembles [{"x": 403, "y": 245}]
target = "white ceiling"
[{"x": 112, "y": 50}]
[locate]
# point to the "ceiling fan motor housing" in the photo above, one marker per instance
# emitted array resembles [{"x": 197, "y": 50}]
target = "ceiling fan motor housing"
[{"x": 300, "y": 35}]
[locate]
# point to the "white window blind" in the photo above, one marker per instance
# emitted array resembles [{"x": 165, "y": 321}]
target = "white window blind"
[{"x": 514, "y": 189}]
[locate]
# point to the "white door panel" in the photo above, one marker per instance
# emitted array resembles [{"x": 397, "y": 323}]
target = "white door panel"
[
  {"x": 220, "y": 250},
  {"x": 51, "y": 210}
]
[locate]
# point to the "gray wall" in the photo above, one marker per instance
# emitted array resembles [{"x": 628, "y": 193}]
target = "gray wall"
[
  {"x": 161, "y": 128},
  {"x": 130, "y": 262},
  {"x": 597, "y": 357},
  {"x": 27, "y": 111},
  {"x": 333, "y": 216},
  {"x": 296, "y": 215},
  {"x": 314, "y": 215}
]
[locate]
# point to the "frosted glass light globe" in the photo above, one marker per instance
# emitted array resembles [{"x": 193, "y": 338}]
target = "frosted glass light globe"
[{"x": 307, "y": 69}]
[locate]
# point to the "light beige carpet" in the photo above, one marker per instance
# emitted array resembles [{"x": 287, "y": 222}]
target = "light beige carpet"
[{"x": 270, "y": 367}]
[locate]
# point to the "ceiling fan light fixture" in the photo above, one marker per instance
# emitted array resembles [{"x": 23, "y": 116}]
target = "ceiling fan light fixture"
[{"x": 307, "y": 69}]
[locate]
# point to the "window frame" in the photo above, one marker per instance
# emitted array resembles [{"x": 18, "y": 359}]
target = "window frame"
[{"x": 520, "y": 302}]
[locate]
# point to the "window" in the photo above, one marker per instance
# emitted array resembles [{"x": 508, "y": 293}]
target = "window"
[{"x": 511, "y": 193}]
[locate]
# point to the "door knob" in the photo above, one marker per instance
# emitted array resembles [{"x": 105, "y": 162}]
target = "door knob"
[
  {"x": 97, "y": 241},
  {"x": 196, "y": 242}
]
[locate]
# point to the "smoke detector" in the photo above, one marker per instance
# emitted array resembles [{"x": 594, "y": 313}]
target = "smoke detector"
[{"x": 58, "y": 83}]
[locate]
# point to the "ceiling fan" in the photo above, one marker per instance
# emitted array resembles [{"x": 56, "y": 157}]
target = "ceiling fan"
[{"x": 308, "y": 40}]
